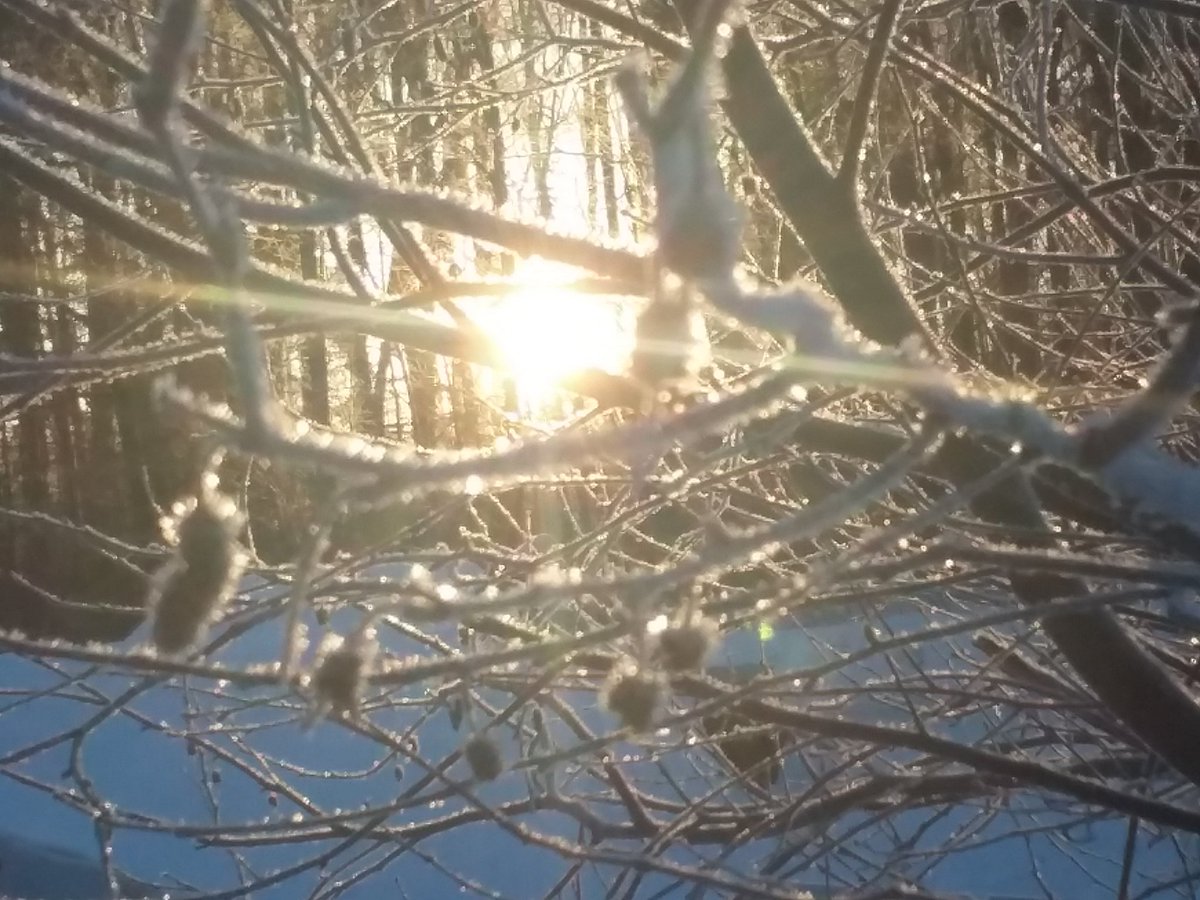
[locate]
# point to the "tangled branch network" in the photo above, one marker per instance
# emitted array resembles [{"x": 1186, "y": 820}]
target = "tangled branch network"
[{"x": 667, "y": 779}]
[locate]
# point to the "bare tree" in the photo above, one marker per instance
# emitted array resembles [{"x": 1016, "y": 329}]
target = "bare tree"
[{"x": 872, "y": 575}]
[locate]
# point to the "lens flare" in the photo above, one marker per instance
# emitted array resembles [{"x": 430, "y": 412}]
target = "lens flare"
[{"x": 546, "y": 331}]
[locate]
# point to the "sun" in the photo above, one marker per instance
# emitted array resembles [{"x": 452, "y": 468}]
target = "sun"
[{"x": 545, "y": 331}]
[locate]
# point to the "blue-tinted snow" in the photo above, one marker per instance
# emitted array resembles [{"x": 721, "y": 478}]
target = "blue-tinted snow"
[{"x": 140, "y": 770}]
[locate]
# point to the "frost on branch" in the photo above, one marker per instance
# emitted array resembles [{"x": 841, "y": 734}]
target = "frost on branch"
[
  {"x": 671, "y": 342},
  {"x": 1154, "y": 488},
  {"x": 180, "y": 34},
  {"x": 799, "y": 314},
  {"x": 696, "y": 220}
]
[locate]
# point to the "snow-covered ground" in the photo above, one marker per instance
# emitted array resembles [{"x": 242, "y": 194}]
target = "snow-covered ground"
[
  {"x": 138, "y": 761},
  {"x": 49, "y": 871}
]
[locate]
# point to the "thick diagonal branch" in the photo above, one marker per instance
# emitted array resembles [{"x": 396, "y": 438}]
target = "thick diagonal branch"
[{"x": 827, "y": 217}]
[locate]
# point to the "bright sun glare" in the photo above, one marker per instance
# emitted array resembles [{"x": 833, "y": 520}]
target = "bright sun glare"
[{"x": 547, "y": 331}]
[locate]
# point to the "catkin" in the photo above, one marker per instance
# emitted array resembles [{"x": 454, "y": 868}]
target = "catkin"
[
  {"x": 342, "y": 669},
  {"x": 634, "y": 696},
  {"x": 684, "y": 648},
  {"x": 189, "y": 592},
  {"x": 483, "y": 758}
]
